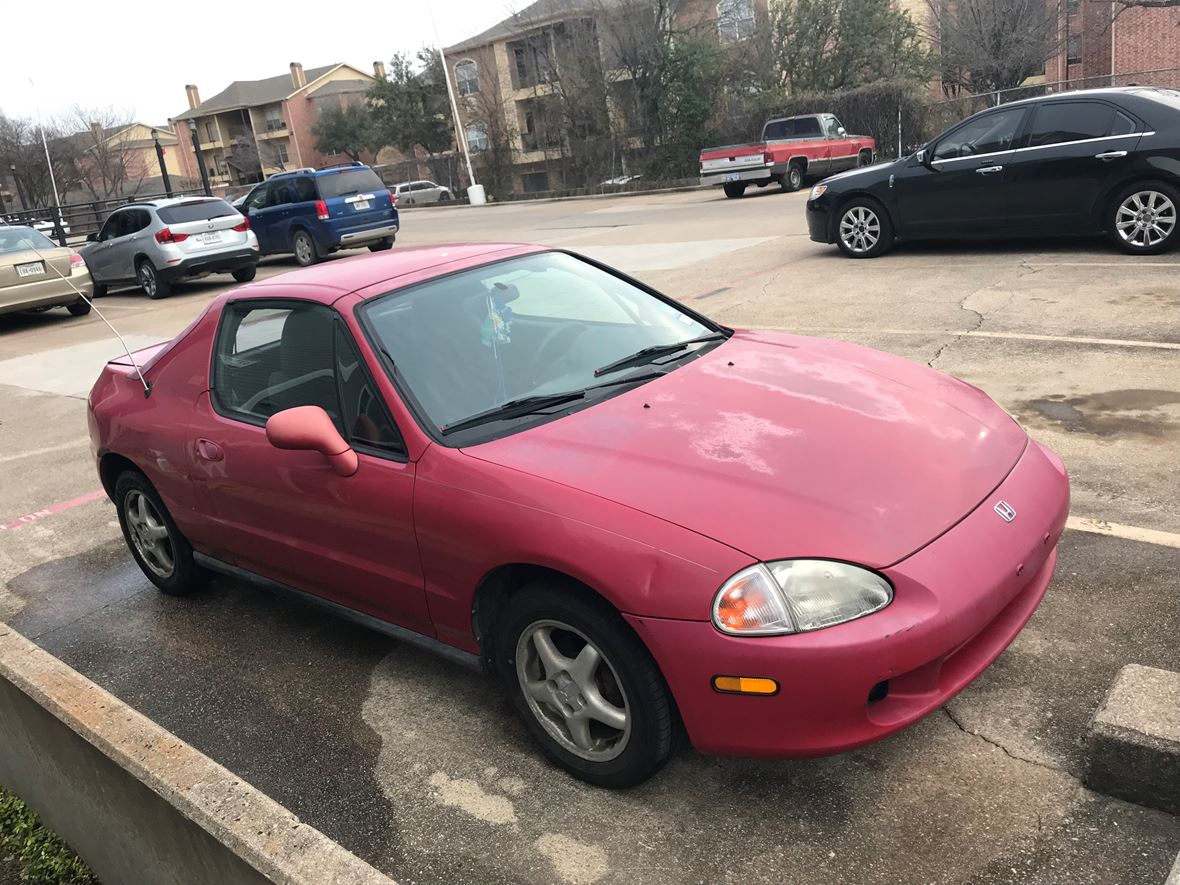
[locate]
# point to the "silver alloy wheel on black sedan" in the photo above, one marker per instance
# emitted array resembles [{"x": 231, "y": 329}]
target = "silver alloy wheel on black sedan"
[
  {"x": 1145, "y": 219},
  {"x": 573, "y": 690},
  {"x": 149, "y": 534},
  {"x": 860, "y": 229}
]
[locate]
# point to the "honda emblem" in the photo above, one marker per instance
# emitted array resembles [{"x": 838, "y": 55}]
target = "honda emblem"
[{"x": 1005, "y": 511}]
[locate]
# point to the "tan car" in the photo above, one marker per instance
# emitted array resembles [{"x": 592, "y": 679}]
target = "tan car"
[{"x": 28, "y": 281}]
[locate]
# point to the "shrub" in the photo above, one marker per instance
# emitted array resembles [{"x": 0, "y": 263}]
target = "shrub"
[{"x": 43, "y": 858}]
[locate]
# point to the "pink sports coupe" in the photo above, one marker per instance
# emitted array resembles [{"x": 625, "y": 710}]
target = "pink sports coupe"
[{"x": 644, "y": 523}]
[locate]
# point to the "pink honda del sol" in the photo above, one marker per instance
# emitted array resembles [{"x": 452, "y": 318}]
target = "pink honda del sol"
[{"x": 644, "y": 523}]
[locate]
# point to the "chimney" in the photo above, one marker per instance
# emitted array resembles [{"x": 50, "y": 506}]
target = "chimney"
[
  {"x": 379, "y": 70},
  {"x": 97, "y": 133},
  {"x": 298, "y": 80},
  {"x": 194, "y": 97}
]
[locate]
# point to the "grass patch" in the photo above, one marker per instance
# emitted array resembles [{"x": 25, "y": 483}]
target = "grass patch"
[{"x": 41, "y": 857}]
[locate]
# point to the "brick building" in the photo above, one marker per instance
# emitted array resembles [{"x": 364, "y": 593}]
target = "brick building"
[
  {"x": 1105, "y": 43},
  {"x": 255, "y": 128}
]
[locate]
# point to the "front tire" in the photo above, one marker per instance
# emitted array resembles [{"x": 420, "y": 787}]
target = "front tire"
[
  {"x": 793, "y": 180},
  {"x": 584, "y": 684},
  {"x": 79, "y": 308},
  {"x": 863, "y": 228},
  {"x": 150, "y": 281},
  {"x": 734, "y": 189},
  {"x": 304, "y": 248},
  {"x": 245, "y": 274},
  {"x": 162, "y": 553},
  {"x": 1143, "y": 219}
]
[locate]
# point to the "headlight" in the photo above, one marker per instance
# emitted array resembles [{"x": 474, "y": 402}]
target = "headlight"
[
  {"x": 818, "y": 191},
  {"x": 797, "y": 595}
]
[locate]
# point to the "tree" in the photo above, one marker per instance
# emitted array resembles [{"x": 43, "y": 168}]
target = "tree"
[
  {"x": 989, "y": 45},
  {"x": 827, "y": 45},
  {"x": 411, "y": 109},
  {"x": 21, "y": 146},
  {"x": 346, "y": 129},
  {"x": 109, "y": 164}
]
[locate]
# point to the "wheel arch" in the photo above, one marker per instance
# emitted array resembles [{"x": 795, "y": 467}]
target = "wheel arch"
[
  {"x": 1104, "y": 203},
  {"x": 110, "y": 465}
]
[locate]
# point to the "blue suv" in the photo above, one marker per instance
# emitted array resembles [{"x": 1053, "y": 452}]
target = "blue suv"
[{"x": 313, "y": 212}]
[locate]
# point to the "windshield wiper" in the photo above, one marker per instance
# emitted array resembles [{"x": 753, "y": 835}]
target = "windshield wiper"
[
  {"x": 656, "y": 350},
  {"x": 514, "y": 408}
]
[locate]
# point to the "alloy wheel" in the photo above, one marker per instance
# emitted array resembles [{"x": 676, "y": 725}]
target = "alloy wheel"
[
  {"x": 860, "y": 229},
  {"x": 149, "y": 534},
  {"x": 1145, "y": 219},
  {"x": 573, "y": 690},
  {"x": 147, "y": 279},
  {"x": 303, "y": 252}
]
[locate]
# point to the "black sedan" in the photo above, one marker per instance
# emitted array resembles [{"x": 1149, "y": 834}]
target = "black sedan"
[{"x": 1077, "y": 163}]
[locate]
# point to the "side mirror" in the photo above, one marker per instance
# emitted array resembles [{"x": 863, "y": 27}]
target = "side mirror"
[
  {"x": 92, "y": 238},
  {"x": 924, "y": 156},
  {"x": 842, "y": 132},
  {"x": 309, "y": 429}
]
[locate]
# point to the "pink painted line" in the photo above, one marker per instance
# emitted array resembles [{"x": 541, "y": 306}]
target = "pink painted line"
[{"x": 38, "y": 515}]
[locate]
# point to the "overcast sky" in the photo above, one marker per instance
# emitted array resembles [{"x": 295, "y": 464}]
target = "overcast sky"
[{"x": 136, "y": 57}]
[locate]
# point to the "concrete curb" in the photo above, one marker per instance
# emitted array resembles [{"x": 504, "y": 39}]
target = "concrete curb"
[
  {"x": 458, "y": 204},
  {"x": 1174, "y": 878},
  {"x": 1134, "y": 751},
  {"x": 136, "y": 802}
]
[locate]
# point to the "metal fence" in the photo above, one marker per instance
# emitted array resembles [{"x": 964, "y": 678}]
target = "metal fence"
[
  {"x": 937, "y": 116},
  {"x": 71, "y": 223}
]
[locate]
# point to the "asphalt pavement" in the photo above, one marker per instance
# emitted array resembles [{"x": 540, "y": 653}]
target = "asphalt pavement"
[{"x": 419, "y": 767}]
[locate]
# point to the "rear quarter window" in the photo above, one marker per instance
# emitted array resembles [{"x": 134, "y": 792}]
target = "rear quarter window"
[
  {"x": 195, "y": 210},
  {"x": 347, "y": 182}
]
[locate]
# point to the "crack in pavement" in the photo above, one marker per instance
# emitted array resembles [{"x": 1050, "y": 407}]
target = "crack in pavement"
[
  {"x": 958, "y": 724},
  {"x": 1023, "y": 269}
]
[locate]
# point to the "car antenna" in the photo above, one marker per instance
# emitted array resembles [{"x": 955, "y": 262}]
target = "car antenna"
[{"x": 147, "y": 388}]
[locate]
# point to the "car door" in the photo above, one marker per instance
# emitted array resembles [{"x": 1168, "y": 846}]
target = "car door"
[
  {"x": 252, "y": 208},
  {"x": 286, "y": 515},
  {"x": 839, "y": 158},
  {"x": 1073, "y": 154},
  {"x": 130, "y": 243},
  {"x": 276, "y": 215},
  {"x": 99, "y": 254},
  {"x": 957, "y": 188}
]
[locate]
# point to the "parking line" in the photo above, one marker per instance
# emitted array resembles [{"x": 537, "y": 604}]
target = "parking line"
[
  {"x": 1127, "y": 532},
  {"x": 32, "y": 453},
  {"x": 45, "y": 512},
  {"x": 967, "y": 333}
]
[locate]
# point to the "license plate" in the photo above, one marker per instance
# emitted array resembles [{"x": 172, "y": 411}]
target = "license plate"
[
  {"x": 360, "y": 205},
  {"x": 732, "y": 176},
  {"x": 32, "y": 269},
  {"x": 211, "y": 237}
]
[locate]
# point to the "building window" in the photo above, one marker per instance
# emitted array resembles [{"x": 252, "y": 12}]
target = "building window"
[
  {"x": 477, "y": 137},
  {"x": 467, "y": 77},
  {"x": 210, "y": 130},
  {"x": 531, "y": 61},
  {"x": 281, "y": 153},
  {"x": 1073, "y": 52},
  {"x": 535, "y": 182},
  {"x": 1071, "y": 6},
  {"x": 735, "y": 20},
  {"x": 274, "y": 120}
]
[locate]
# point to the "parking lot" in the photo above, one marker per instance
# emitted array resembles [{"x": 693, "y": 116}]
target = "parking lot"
[{"x": 419, "y": 767}]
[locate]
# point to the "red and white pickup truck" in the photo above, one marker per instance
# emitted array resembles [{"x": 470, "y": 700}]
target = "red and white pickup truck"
[{"x": 792, "y": 150}]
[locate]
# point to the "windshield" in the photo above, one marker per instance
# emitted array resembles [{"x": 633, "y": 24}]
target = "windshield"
[
  {"x": 22, "y": 239},
  {"x": 195, "y": 210},
  {"x": 526, "y": 327},
  {"x": 352, "y": 181}
]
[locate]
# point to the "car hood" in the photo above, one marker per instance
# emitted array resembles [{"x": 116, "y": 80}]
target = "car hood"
[
  {"x": 866, "y": 175},
  {"x": 785, "y": 446}
]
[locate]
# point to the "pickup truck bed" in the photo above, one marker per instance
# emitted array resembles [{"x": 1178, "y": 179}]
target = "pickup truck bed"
[{"x": 792, "y": 151}]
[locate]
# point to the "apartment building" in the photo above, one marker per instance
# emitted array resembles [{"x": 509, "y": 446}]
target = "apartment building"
[
  {"x": 255, "y": 128},
  {"x": 508, "y": 71}
]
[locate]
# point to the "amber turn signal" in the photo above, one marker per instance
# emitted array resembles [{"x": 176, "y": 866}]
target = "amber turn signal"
[{"x": 745, "y": 685}]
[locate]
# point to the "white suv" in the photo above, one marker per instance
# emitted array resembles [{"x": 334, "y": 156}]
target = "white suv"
[
  {"x": 415, "y": 193},
  {"x": 157, "y": 242}
]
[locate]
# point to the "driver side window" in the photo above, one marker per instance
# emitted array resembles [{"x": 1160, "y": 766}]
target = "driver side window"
[
  {"x": 988, "y": 134},
  {"x": 111, "y": 229},
  {"x": 256, "y": 200}
]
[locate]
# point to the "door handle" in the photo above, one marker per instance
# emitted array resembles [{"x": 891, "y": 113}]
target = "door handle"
[
  {"x": 207, "y": 450},
  {"x": 1110, "y": 155},
  {"x": 988, "y": 170}
]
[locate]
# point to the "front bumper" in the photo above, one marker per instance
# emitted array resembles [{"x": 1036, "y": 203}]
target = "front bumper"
[
  {"x": 958, "y": 603},
  {"x": 220, "y": 262},
  {"x": 819, "y": 220}
]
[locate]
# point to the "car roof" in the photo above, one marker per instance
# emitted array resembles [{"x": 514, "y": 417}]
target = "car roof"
[
  {"x": 1148, "y": 92},
  {"x": 328, "y": 282},
  {"x": 164, "y": 202},
  {"x": 309, "y": 170}
]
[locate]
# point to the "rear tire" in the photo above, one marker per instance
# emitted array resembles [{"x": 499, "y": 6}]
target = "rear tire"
[
  {"x": 79, "y": 308},
  {"x": 245, "y": 274},
  {"x": 793, "y": 180},
  {"x": 381, "y": 245},
  {"x": 734, "y": 189},
  {"x": 1149, "y": 212},
  {"x": 865, "y": 158},
  {"x": 150, "y": 281},
  {"x": 159, "y": 549},
  {"x": 617, "y": 680},
  {"x": 304, "y": 248},
  {"x": 444, "y": 197},
  {"x": 863, "y": 228}
]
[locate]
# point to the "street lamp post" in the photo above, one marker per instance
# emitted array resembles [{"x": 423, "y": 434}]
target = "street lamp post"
[
  {"x": 192, "y": 128},
  {"x": 20, "y": 193},
  {"x": 163, "y": 164}
]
